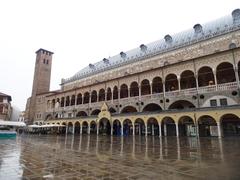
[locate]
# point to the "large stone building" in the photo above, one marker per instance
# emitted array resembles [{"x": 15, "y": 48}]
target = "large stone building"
[
  {"x": 183, "y": 84},
  {"x": 5, "y": 106}
]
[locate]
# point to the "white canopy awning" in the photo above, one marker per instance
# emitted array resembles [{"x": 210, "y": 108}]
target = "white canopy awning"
[
  {"x": 45, "y": 126},
  {"x": 12, "y": 123}
]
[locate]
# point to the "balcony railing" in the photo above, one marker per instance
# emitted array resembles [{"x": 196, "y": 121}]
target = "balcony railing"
[{"x": 184, "y": 92}]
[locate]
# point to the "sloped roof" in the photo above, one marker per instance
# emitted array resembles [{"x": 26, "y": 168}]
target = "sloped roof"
[
  {"x": 5, "y": 95},
  {"x": 196, "y": 34}
]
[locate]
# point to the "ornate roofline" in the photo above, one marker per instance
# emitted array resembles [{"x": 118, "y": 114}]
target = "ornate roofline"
[{"x": 169, "y": 43}]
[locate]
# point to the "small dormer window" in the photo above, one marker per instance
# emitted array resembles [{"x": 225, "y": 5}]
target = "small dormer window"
[
  {"x": 143, "y": 47},
  {"x": 123, "y": 55},
  {"x": 236, "y": 16},
  {"x": 105, "y": 60},
  {"x": 197, "y": 28},
  {"x": 91, "y": 66},
  {"x": 168, "y": 38}
]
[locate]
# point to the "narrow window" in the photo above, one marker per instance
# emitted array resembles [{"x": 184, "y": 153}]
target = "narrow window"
[
  {"x": 44, "y": 61},
  {"x": 47, "y": 61}
]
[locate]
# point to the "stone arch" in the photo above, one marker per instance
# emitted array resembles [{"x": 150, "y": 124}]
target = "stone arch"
[
  {"x": 205, "y": 124},
  {"x": 109, "y": 94},
  {"x": 104, "y": 126},
  {"x": 62, "y": 102},
  {"x": 171, "y": 82},
  {"x": 129, "y": 109},
  {"x": 86, "y": 98},
  {"x": 145, "y": 87},
  {"x": 139, "y": 125},
  {"x": 151, "y": 107},
  {"x": 79, "y": 99},
  {"x": 81, "y": 114},
  {"x": 94, "y": 96},
  {"x": 127, "y": 127},
  {"x": 53, "y": 103},
  {"x": 225, "y": 73},
  {"x": 67, "y": 101},
  {"x": 77, "y": 127},
  {"x": 186, "y": 126},
  {"x": 115, "y": 92},
  {"x": 181, "y": 104},
  {"x": 134, "y": 89},
  {"x": 95, "y": 112},
  {"x": 187, "y": 80},
  {"x": 73, "y": 100},
  {"x": 123, "y": 91},
  {"x": 230, "y": 125},
  {"x": 84, "y": 127},
  {"x": 112, "y": 110},
  {"x": 168, "y": 126},
  {"x": 117, "y": 127},
  {"x": 205, "y": 76},
  {"x": 153, "y": 126},
  {"x": 93, "y": 127},
  {"x": 101, "y": 95},
  {"x": 157, "y": 85},
  {"x": 70, "y": 127}
]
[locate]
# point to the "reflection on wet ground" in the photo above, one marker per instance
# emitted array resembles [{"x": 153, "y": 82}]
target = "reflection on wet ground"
[{"x": 105, "y": 157}]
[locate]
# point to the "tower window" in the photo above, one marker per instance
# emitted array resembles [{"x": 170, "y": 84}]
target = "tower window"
[
  {"x": 44, "y": 61},
  {"x": 47, "y": 61}
]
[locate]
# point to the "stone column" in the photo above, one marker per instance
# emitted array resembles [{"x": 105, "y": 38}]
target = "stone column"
[
  {"x": 165, "y": 129},
  {"x": 219, "y": 130},
  {"x": 160, "y": 129},
  {"x": 97, "y": 128},
  {"x": 150, "y": 87},
  {"x": 179, "y": 84},
  {"x": 139, "y": 92},
  {"x": 122, "y": 129},
  {"x": 133, "y": 129},
  {"x": 146, "y": 129},
  {"x": 89, "y": 129},
  {"x": 215, "y": 78},
  {"x": 81, "y": 128},
  {"x": 152, "y": 129},
  {"x": 66, "y": 129},
  {"x": 73, "y": 129},
  {"x": 177, "y": 132},
  {"x": 111, "y": 129}
]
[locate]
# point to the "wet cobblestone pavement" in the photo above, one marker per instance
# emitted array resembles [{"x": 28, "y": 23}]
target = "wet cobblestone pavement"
[{"x": 106, "y": 158}]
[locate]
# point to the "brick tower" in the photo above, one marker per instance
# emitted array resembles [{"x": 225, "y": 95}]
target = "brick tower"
[{"x": 41, "y": 79}]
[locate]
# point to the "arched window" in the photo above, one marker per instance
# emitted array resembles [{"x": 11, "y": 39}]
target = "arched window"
[
  {"x": 86, "y": 98},
  {"x": 187, "y": 80},
  {"x": 101, "y": 95},
  {"x": 205, "y": 76},
  {"x": 94, "y": 96},
  {"x": 134, "y": 90},
  {"x": 79, "y": 99},
  {"x": 124, "y": 91},
  {"x": 115, "y": 92},
  {"x": 109, "y": 94},
  {"x": 171, "y": 82},
  {"x": 157, "y": 85},
  {"x": 145, "y": 87},
  {"x": 67, "y": 101},
  {"x": 62, "y": 102},
  {"x": 225, "y": 73},
  {"x": 73, "y": 100}
]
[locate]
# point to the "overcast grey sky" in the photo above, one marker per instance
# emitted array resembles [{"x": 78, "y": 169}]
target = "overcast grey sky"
[{"x": 82, "y": 32}]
